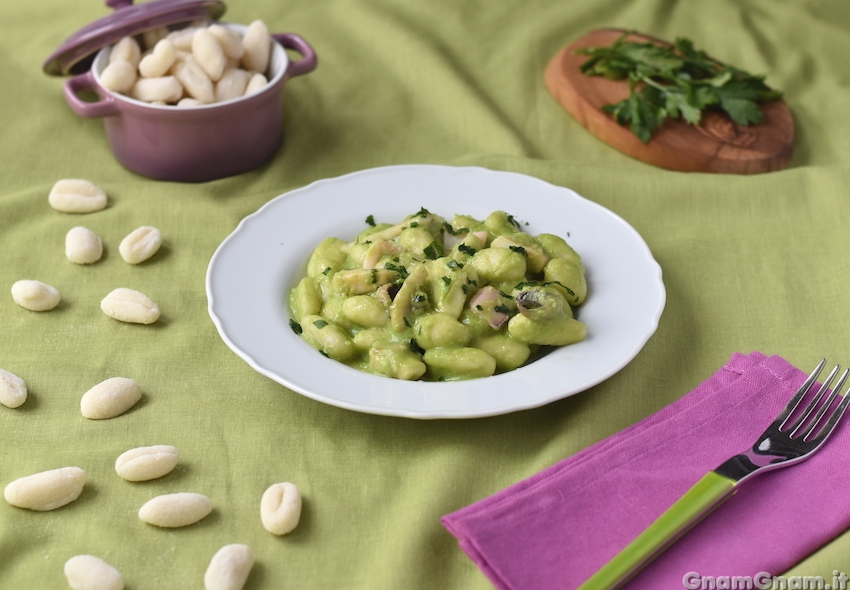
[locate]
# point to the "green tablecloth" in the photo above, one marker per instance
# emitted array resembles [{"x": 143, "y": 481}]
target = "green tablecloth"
[{"x": 750, "y": 263}]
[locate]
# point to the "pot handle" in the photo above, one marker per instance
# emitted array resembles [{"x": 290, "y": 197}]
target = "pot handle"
[
  {"x": 302, "y": 66},
  {"x": 105, "y": 107}
]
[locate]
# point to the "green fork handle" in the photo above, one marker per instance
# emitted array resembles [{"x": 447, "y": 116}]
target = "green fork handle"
[{"x": 706, "y": 495}]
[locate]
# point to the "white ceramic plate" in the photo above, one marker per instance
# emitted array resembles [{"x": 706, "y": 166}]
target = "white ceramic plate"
[{"x": 252, "y": 271}]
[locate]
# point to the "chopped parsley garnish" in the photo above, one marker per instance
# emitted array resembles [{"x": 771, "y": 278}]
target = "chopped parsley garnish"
[
  {"x": 513, "y": 221},
  {"x": 518, "y": 250},
  {"x": 414, "y": 346},
  {"x": 547, "y": 283},
  {"x": 324, "y": 354},
  {"x": 454, "y": 264},
  {"x": 320, "y": 324},
  {"x": 479, "y": 307},
  {"x": 423, "y": 212},
  {"x": 371, "y": 220},
  {"x": 448, "y": 227},
  {"x": 446, "y": 280},
  {"x": 466, "y": 249},
  {"x": 419, "y": 298},
  {"x": 505, "y": 295},
  {"x": 674, "y": 81},
  {"x": 296, "y": 327},
  {"x": 414, "y": 224},
  {"x": 397, "y": 268},
  {"x": 505, "y": 310},
  {"x": 326, "y": 271},
  {"x": 524, "y": 284},
  {"x": 434, "y": 250}
]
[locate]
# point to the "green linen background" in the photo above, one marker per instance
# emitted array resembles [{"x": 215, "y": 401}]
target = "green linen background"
[{"x": 750, "y": 263}]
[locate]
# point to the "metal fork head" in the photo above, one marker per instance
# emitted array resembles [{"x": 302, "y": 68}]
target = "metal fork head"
[
  {"x": 807, "y": 434},
  {"x": 788, "y": 441}
]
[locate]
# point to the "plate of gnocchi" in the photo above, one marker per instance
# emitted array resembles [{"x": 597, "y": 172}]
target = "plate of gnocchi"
[{"x": 432, "y": 292}]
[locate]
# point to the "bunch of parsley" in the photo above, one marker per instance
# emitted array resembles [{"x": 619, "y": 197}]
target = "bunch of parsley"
[{"x": 674, "y": 81}]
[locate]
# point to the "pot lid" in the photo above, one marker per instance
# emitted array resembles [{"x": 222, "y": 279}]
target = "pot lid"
[{"x": 77, "y": 52}]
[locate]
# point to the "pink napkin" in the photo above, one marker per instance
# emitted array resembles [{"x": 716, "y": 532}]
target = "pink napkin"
[{"x": 555, "y": 529}]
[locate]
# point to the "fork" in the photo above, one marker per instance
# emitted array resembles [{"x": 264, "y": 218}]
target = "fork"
[{"x": 781, "y": 445}]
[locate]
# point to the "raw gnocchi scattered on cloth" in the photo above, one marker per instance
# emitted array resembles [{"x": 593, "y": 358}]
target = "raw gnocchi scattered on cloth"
[
  {"x": 75, "y": 195},
  {"x": 88, "y": 572},
  {"x": 35, "y": 295},
  {"x": 176, "y": 510},
  {"x": 13, "y": 390},
  {"x": 280, "y": 508},
  {"x": 47, "y": 490}
]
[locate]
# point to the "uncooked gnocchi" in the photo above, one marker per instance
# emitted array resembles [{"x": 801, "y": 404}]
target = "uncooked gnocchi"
[
  {"x": 230, "y": 41},
  {"x": 110, "y": 398},
  {"x": 182, "y": 38},
  {"x": 229, "y": 568},
  {"x": 83, "y": 246},
  {"x": 131, "y": 306},
  {"x": 87, "y": 572},
  {"x": 119, "y": 76},
  {"x": 47, "y": 490},
  {"x": 127, "y": 49},
  {"x": 189, "y": 102},
  {"x": 166, "y": 89},
  {"x": 209, "y": 54},
  {"x": 190, "y": 67},
  {"x": 176, "y": 510},
  {"x": 13, "y": 389},
  {"x": 146, "y": 463},
  {"x": 35, "y": 295},
  {"x": 280, "y": 508},
  {"x": 75, "y": 195},
  {"x": 257, "y": 44},
  {"x": 232, "y": 84},
  {"x": 255, "y": 84},
  {"x": 195, "y": 81},
  {"x": 140, "y": 244},
  {"x": 153, "y": 36}
]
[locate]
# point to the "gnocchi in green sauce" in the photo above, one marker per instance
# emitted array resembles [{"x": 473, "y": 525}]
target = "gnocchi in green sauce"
[{"x": 440, "y": 301}]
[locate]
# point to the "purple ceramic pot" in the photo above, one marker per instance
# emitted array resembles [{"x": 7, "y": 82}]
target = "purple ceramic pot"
[{"x": 194, "y": 144}]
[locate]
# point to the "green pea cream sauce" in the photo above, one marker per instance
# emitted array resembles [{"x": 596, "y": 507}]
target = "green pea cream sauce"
[{"x": 440, "y": 301}]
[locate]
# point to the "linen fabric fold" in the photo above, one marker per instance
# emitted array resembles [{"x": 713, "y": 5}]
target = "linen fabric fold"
[{"x": 555, "y": 529}]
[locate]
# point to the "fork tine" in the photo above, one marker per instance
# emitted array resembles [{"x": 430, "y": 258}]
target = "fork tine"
[
  {"x": 826, "y": 405},
  {"x": 795, "y": 401},
  {"x": 812, "y": 404},
  {"x": 836, "y": 415}
]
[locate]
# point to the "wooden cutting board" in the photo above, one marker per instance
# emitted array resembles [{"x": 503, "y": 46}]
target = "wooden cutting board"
[{"x": 716, "y": 145}]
